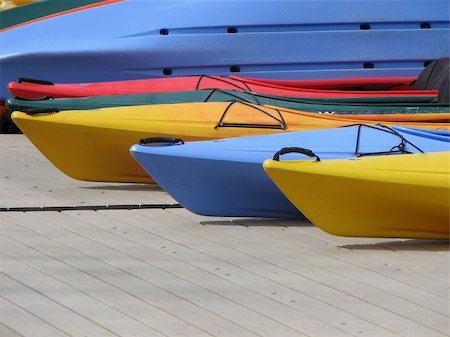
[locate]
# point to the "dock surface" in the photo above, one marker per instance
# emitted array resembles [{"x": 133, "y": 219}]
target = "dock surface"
[{"x": 123, "y": 260}]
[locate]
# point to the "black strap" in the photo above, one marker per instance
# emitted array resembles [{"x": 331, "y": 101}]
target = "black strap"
[
  {"x": 300, "y": 150},
  {"x": 234, "y": 95},
  {"x": 400, "y": 148},
  {"x": 33, "y": 80},
  {"x": 43, "y": 98},
  {"x": 279, "y": 119},
  {"x": 224, "y": 80},
  {"x": 152, "y": 140},
  {"x": 36, "y": 111}
]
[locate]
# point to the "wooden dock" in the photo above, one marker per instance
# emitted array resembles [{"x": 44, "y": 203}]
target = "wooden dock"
[{"x": 119, "y": 260}]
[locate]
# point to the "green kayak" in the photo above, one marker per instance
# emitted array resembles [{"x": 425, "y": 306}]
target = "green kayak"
[
  {"x": 215, "y": 95},
  {"x": 41, "y": 9}
]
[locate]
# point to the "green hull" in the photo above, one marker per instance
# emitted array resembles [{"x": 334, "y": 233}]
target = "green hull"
[
  {"x": 212, "y": 95},
  {"x": 36, "y": 10}
]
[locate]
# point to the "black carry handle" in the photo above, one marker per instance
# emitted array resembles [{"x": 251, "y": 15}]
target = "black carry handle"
[
  {"x": 150, "y": 140},
  {"x": 34, "y": 80},
  {"x": 43, "y": 98},
  {"x": 301, "y": 150},
  {"x": 36, "y": 111}
]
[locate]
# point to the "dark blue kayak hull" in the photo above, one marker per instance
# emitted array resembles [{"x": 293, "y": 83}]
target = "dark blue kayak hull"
[
  {"x": 300, "y": 39},
  {"x": 225, "y": 177}
]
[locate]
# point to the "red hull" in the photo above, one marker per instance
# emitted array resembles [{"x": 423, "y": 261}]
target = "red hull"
[{"x": 329, "y": 88}]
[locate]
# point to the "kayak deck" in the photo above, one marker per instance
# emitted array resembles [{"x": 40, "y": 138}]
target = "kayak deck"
[{"x": 405, "y": 196}]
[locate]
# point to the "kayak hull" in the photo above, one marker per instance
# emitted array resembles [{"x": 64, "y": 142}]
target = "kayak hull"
[
  {"x": 42, "y": 10},
  {"x": 213, "y": 95},
  {"x": 225, "y": 177},
  {"x": 94, "y": 144},
  {"x": 406, "y": 196},
  {"x": 442, "y": 135},
  {"x": 250, "y": 38},
  {"x": 323, "y": 89}
]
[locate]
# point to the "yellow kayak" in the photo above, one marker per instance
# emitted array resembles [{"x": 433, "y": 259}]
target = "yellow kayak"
[
  {"x": 7, "y": 4},
  {"x": 23, "y": 2},
  {"x": 401, "y": 196},
  {"x": 4, "y": 5},
  {"x": 93, "y": 145}
]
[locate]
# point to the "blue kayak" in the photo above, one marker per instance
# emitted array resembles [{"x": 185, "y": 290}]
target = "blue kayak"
[
  {"x": 443, "y": 135},
  {"x": 302, "y": 39},
  {"x": 225, "y": 177}
]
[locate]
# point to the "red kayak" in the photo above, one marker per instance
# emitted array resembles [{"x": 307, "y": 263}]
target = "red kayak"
[
  {"x": 373, "y": 83},
  {"x": 328, "y": 88}
]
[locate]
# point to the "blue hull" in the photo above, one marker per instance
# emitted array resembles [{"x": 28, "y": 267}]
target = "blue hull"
[
  {"x": 442, "y": 135},
  {"x": 225, "y": 177},
  {"x": 300, "y": 39}
]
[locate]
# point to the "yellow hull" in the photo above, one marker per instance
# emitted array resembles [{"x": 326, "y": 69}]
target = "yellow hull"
[
  {"x": 402, "y": 196},
  {"x": 93, "y": 145},
  {"x": 7, "y": 4},
  {"x": 4, "y": 5},
  {"x": 23, "y": 2}
]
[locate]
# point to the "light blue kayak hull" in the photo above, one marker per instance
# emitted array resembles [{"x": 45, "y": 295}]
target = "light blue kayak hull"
[
  {"x": 225, "y": 177},
  {"x": 300, "y": 39},
  {"x": 442, "y": 135}
]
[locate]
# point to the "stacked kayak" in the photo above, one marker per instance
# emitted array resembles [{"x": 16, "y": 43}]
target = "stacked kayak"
[
  {"x": 225, "y": 177},
  {"x": 332, "y": 89},
  {"x": 249, "y": 38},
  {"x": 405, "y": 196},
  {"x": 384, "y": 106},
  {"x": 94, "y": 144}
]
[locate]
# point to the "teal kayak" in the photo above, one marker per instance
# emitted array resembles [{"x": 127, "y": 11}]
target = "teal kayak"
[
  {"x": 42, "y": 10},
  {"x": 394, "y": 105}
]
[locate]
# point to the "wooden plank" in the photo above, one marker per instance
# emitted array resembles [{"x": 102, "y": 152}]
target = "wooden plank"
[
  {"x": 118, "y": 289},
  {"x": 345, "y": 264},
  {"x": 408, "y": 255},
  {"x": 428, "y": 276},
  {"x": 386, "y": 293},
  {"x": 177, "y": 273},
  {"x": 378, "y": 260},
  {"x": 376, "y": 275},
  {"x": 30, "y": 179},
  {"x": 180, "y": 279},
  {"x": 111, "y": 319},
  {"x": 46, "y": 309},
  {"x": 364, "y": 304},
  {"x": 25, "y": 323},
  {"x": 251, "y": 313},
  {"x": 186, "y": 248},
  {"x": 7, "y": 332}
]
